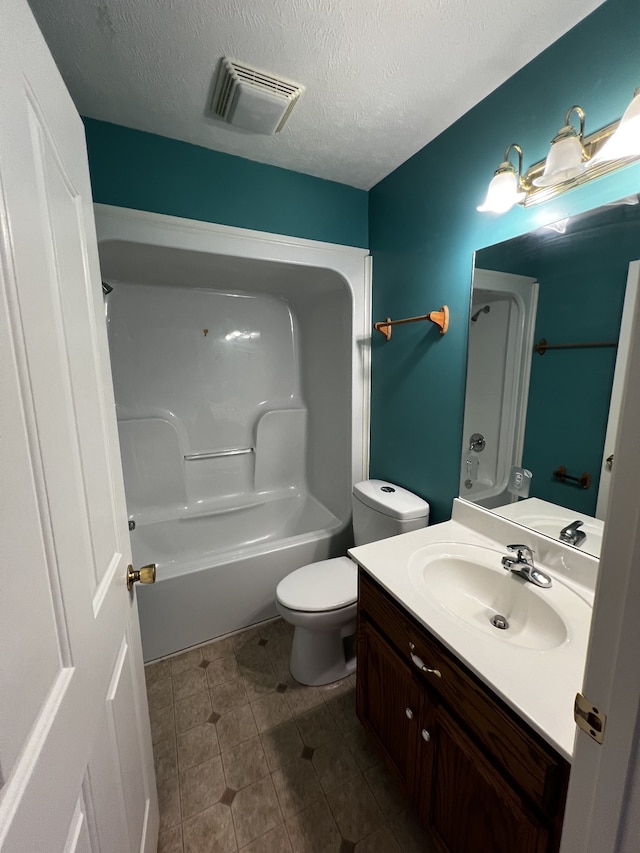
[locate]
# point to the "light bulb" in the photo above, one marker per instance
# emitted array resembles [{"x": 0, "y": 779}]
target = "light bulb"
[
  {"x": 564, "y": 160},
  {"x": 625, "y": 142},
  {"x": 503, "y": 191}
]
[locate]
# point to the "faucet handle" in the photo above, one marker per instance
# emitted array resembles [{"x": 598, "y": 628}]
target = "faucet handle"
[{"x": 522, "y": 551}]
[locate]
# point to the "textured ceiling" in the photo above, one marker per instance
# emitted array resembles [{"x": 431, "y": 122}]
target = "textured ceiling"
[{"x": 381, "y": 78}]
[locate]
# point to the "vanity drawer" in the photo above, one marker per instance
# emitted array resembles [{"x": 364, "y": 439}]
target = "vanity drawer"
[{"x": 539, "y": 772}]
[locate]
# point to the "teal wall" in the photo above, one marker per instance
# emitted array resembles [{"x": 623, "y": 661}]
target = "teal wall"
[
  {"x": 140, "y": 170},
  {"x": 424, "y": 229}
]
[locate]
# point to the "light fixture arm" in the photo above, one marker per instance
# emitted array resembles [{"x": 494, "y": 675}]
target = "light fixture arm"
[
  {"x": 514, "y": 147},
  {"x": 575, "y": 109},
  {"x": 506, "y": 165}
]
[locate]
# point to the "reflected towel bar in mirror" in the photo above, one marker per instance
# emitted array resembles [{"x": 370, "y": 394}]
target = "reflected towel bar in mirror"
[
  {"x": 440, "y": 318},
  {"x": 542, "y": 346},
  {"x": 216, "y": 454},
  {"x": 584, "y": 480}
]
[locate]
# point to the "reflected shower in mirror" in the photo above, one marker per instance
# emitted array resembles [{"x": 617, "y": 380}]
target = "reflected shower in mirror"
[{"x": 550, "y": 319}]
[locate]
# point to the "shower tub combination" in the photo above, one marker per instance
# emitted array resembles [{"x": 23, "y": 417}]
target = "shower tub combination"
[
  {"x": 240, "y": 364},
  {"x": 503, "y": 310}
]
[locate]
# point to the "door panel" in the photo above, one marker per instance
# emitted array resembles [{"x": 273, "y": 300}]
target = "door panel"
[
  {"x": 122, "y": 713},
  {"x": 78, "y": 840},
  {"x": 388, "y": 703},
  {"x": 69, "y": 638},
  {"x": 466, "y": 784},
  {"x": 72, "y": 341}
]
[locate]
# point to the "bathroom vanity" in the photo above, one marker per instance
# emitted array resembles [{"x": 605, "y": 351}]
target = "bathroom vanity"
[{"x": 475, "y": 725}]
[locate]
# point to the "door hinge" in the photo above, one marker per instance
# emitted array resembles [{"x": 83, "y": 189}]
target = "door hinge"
[{"x": 589, "y": 718}]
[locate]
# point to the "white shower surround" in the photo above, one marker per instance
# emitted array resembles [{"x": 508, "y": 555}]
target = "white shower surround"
[
  {"x": 498, "y": 368},
  {"x": 296, "y": 506}
]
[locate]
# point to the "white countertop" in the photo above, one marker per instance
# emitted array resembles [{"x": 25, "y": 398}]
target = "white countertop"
[{"x": 539, "y": 685}]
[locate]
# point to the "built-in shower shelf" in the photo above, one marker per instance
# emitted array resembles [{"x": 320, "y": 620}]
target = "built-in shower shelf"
[{"x": 222, "y": 510}]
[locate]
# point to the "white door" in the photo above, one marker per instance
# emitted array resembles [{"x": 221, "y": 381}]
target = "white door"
[
  {"x": 617, "y": 390},
  {"x": 76, "y": 767},
  {"x": 603, "y": 805}
]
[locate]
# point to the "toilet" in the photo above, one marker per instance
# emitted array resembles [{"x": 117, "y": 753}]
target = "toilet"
[{"x": 320, "y": 599}]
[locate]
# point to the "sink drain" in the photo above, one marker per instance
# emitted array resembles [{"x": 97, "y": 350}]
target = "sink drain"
[{"x": 499, "y": 621}]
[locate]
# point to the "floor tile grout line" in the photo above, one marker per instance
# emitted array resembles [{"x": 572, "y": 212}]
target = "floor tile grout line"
[{"x": 233, "y": 824}]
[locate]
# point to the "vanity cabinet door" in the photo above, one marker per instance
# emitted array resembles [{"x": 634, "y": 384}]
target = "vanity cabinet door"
[
  {"x": 465, "y": 801},
  {"x": 388, "y": 704}
]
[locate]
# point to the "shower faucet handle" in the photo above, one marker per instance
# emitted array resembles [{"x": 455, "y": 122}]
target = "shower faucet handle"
[{"x": 477, "y": 442}]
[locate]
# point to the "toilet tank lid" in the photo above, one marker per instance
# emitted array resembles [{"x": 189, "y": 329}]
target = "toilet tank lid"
[{"x": 390, "y": 499}]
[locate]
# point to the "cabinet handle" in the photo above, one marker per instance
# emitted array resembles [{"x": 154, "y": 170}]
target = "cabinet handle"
[
  {"x": 409, "y": 713},
  {"x": 421, "y": 665},
  {"x": 425, "y": 735}
]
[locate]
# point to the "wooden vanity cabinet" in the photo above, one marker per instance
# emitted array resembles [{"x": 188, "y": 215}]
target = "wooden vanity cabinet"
[
  {"x": 388, "y": 703},
  {"x": 478, "y": 777}
]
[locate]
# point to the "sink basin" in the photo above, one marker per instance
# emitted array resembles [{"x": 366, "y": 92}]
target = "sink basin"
[{"x": 469, "y": 582}]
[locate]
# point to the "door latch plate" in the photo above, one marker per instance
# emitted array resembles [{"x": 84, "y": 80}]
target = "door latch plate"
[{"x": 589, "y": 718}]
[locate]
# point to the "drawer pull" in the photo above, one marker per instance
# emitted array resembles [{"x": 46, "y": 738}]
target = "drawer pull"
[
  {"x": 425, "y": 735},
  {"x": 421, "y": 665},
  {"x": 409, "y": 713}
]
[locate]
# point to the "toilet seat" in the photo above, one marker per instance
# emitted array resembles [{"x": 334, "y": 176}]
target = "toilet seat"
[{"x": 322, "y": 586}]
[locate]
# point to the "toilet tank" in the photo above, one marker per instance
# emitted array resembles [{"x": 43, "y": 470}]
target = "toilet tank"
[{"x": 381, "y": 509}]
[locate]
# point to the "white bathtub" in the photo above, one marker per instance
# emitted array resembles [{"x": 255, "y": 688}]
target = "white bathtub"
[
  {"x": 186, "y": 544},
  {"x": 217, "y": 573},
  {"x": 240, "y": 364}
]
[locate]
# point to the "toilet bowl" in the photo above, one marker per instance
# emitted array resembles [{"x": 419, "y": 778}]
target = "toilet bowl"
[{"x": 320, "y": 599}]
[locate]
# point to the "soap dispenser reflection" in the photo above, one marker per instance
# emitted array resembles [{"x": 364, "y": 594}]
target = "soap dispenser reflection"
[{"x": 519, "y": 481}]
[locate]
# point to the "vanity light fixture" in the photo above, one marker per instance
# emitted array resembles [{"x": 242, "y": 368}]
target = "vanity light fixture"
[
  {"x": 505, "y": 189},
  {"x": 573, "y": 159}
]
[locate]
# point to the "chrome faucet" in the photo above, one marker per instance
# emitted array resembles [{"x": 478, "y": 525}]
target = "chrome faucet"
[
  {"x": 522, "y": 565},
  {"x": 571, "y": 534}
]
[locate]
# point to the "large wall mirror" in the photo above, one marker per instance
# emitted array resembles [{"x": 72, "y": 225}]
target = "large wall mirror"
[{"x": 549, "y": 327}]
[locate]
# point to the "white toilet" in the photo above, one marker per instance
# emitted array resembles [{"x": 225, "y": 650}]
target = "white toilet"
[{"x": 319, "y": 599}]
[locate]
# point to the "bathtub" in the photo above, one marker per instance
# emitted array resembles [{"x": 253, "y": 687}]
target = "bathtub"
[
  {"x": 217, "y": 573},
  {"x": 240, "y": 364}
]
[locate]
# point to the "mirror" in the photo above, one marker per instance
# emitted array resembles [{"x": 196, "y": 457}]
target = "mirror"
[{"x": 540, "y": 421}]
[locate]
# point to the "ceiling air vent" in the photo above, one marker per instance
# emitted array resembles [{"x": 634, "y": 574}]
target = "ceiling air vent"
[{"x": 252, "y": 99}]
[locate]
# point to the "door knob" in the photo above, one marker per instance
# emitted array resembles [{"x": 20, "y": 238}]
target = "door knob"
[
  {"x": 409, "y": 713},
  {"x": 147, "y": 574},
  {"x": 425, "y": 735}
]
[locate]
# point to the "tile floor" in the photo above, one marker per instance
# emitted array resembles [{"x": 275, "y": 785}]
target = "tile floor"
[{"x": 248, "y": 759}]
